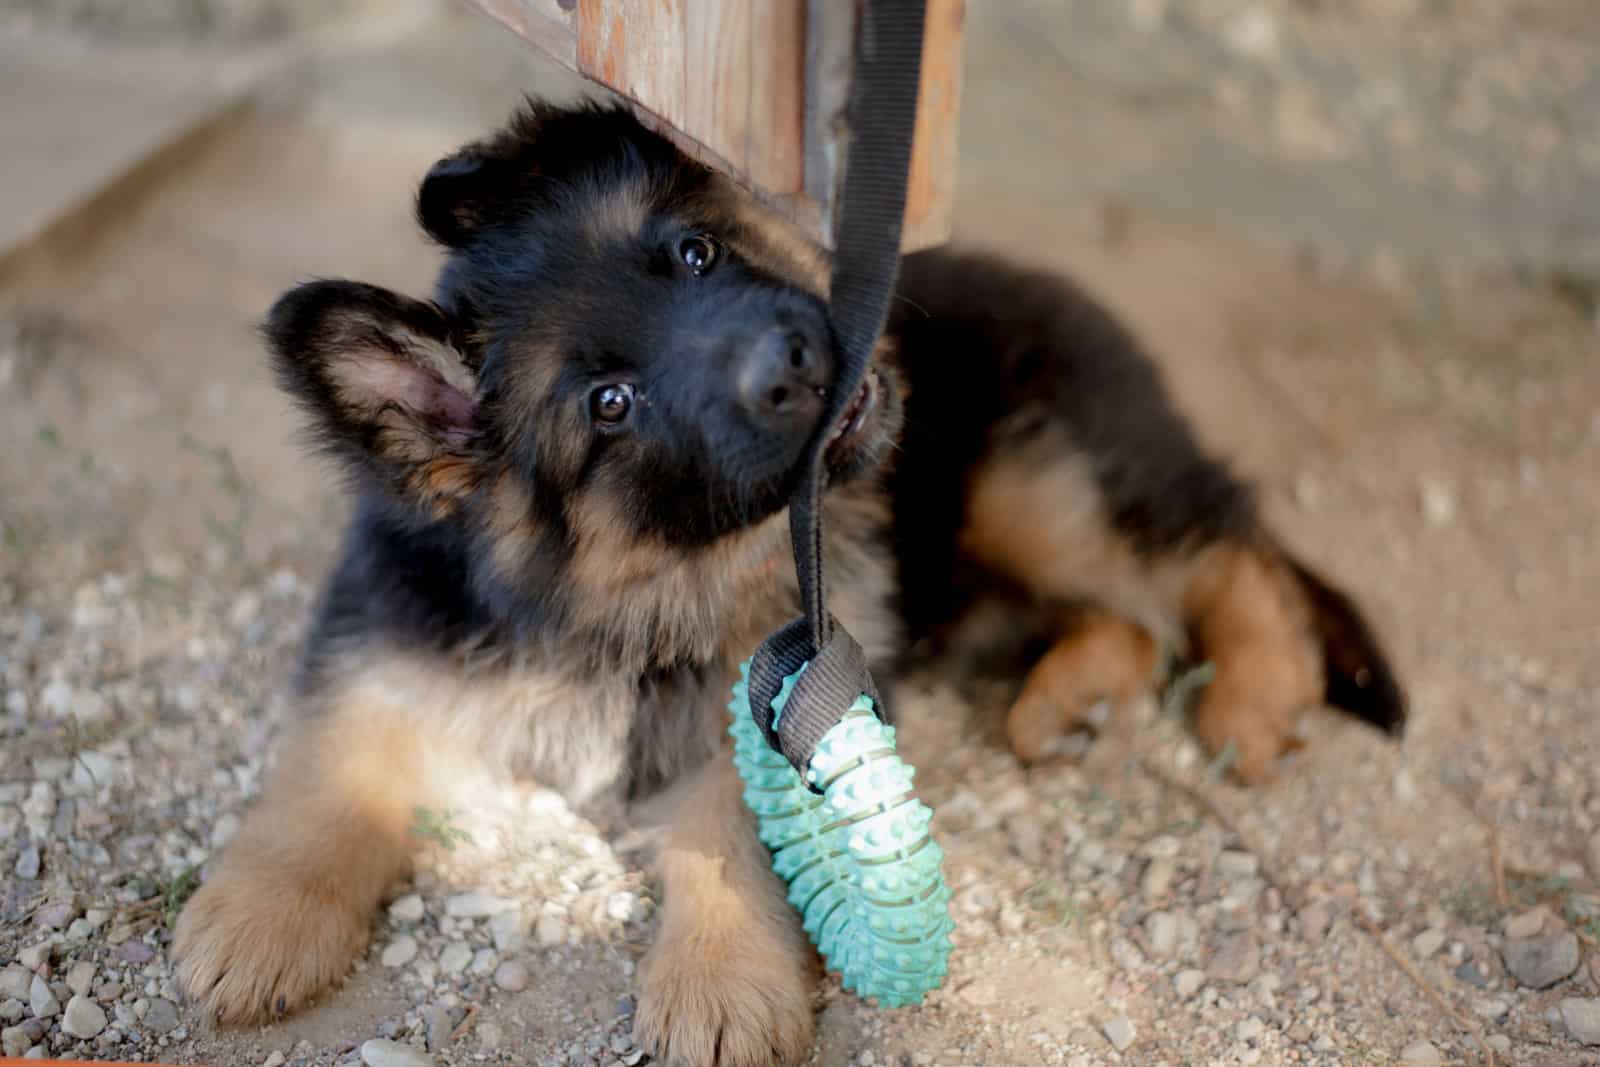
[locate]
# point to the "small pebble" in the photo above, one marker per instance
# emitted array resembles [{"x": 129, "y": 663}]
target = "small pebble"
[
  {"x": 511, "y": 976},
  {"x": 1162, "y": 930},
  {"x": 1421, "y": 1054},
  {"x": 134, "y": 952},
  {"x": 1119, "y": 1032},
  {"x": 80, "y": 978},
  {"x": 28, "y": 863},
  {"x": 619, "y": 906},
  {"x": 1235, "y": 865},
  {"x": 1238, "y": 959},
  {"x": 161, "y": 1017},
  {"x": 1315, "y": 918},
  {"x": 408, "y": 909},
  {"x": 274, "y": 1059},
  {"x": 455, "y": 957},
  {"x": 1438, "y": 502},
  {"x": 1541, "y": 962},
  {"x": 14, "y": 1041},
  {"x": 474, "y": 905},
  {"x": 11, "y": 1010},
  {"x": 1157, "y": 879},
  {"x": 41, "y": 1001},
  {"x": 83, "y": 1018},
  {"x": 399, "y": 952},
  {"x": 1188, "y": 983},
  {"x": 1581, "y": 1017},
  {"x": 380, "y": 1052},
  {"x": 16, "y": 981},
  {"x": 550, "y": 931},
  {"x": 507, "y": 932},
  {"x": 1470, "y": 973},
  {"x": 439, "y": 1022},
  {"x": 1526, "y": 924},
  {"x": 35, "y": 956},
  {"x": 1427, "y": 943}
]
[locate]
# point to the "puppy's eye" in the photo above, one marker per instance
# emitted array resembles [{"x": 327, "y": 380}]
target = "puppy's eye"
[
  {"x": 698, "y": 253},
  {"x": 610, "y": 404}
]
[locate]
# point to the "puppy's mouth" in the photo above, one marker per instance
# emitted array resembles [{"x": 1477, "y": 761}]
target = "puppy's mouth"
[{"x": 851, "y": 429}]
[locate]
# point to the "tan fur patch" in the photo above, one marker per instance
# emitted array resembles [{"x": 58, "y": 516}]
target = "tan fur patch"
[
  {"x": 767, "y": 241},
  {"x": 1037, "y": 517},
  {"x": 656, "y": 605},
  {"x": 288, "y": 905},
  {"x": 1103, "y": 658},
  {"x": 730, "y": 977},
  {"x": 1250, "y": 620}
]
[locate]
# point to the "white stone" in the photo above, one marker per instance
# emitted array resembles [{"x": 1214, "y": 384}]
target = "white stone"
[
  {"x": 381, "y": 1053},
  {"x": 1427, "y": 943},
  {"x": 80, "y": 978},
  {"x": 511, "y": 976},
  {"x": 1162, "y": 930},
  {"x": 507, "y": 932},
  {"x": 1421, "y": 1054},
  {"x": 1188, "y": 983},
  {"x": 1581, "y": 1016},
  {"x": 1527, "y": 924},
  {"x": 550, "y": 931},
  {"x": 474, "y": 905},
  {"x": 455, "y": 957},
  {"x": 1119, "y": 1032},
  {"x": 399, "y": 952},
  {"x": 41, "y": 1001},
  {"x": 408, "y": 909},
  {"x": 83, "y": 1019}
]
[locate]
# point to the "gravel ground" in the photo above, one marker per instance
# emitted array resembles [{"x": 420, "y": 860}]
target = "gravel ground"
[{"x": 1435, "y": 902}]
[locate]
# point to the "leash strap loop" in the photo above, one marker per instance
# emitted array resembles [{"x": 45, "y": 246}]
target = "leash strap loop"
[{"x": 866, "y": 265}]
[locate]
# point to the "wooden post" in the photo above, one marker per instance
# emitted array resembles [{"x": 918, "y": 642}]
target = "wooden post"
[{"x": 757, "y": 89}]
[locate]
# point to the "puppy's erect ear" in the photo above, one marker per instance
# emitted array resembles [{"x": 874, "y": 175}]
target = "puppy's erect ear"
[{"x": 387, "y": 390}]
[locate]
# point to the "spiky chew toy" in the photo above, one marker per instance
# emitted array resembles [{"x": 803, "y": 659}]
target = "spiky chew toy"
[{"x": 862, "y": 870}]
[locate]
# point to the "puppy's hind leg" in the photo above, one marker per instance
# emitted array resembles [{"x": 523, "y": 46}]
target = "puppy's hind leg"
[
  {"x": 729, "y": 980},
  {"x": 1104, "y": 657},
  {"x": 289, "y": 903}
]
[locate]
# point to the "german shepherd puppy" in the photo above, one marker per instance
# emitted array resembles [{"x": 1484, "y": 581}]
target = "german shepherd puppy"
[{"x": 571, "y": 469}]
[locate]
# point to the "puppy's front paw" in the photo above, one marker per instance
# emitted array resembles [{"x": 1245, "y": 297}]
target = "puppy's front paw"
[
  {"x": 728, "y": 1003},
  {"x": 250, "y": 946}
]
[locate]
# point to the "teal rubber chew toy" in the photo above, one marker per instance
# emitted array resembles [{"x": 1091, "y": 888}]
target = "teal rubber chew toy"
[{"x": 862, "y": 870}]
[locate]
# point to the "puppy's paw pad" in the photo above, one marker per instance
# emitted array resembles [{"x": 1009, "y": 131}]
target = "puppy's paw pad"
[
  {"x": 702, "y": 1008},
  {"x": 249, "y": 950}
]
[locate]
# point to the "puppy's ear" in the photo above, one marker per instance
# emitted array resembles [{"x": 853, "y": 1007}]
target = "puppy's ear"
[
  {"x": 481, "y": 183},
  {"x": 387, "y": 390}
]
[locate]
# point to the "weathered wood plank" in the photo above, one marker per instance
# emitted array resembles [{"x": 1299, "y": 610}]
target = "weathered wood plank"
[
  {"x": 931, "y": 188},
  {"x": 637, "y": 48},
  {"x": 758, "y": 89},
  {"x": 778, "y": 96}
]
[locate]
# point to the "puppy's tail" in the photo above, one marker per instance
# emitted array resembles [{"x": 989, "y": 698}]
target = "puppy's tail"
[{"x": 1359, "y": 678}]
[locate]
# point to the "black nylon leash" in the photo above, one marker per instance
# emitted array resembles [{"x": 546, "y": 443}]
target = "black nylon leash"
[{"x": 866, "y": 266}]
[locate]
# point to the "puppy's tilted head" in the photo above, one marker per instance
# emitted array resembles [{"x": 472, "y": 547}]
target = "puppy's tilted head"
[{"x": 625, "y": 356}]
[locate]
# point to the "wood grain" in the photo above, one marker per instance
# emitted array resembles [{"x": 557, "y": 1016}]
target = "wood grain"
[{"x": 757, "y": 89}]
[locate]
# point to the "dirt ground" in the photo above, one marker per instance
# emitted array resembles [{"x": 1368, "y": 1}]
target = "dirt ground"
[{"x": 1427, "y": 435}]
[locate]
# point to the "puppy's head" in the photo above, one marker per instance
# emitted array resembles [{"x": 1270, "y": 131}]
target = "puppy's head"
[{"x": 623, "y": 350}]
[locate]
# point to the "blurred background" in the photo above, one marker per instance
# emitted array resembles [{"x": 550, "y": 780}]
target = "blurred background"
[{"x": 1363, "y": 239}]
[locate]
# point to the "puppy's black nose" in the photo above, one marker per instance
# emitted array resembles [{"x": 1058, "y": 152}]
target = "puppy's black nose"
[{"x": 781, "y": 377}]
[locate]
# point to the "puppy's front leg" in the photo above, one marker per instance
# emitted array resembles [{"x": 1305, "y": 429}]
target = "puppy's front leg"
[
  {"x": 729, "y": 980},
  {"x": 289, "y": 903}
]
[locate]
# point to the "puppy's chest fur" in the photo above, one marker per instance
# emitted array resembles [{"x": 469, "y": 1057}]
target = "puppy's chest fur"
[{"x": 618, "y": 704}]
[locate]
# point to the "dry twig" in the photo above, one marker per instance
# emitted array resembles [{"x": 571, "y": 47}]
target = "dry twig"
[{"x": 1422, "y": 983}]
